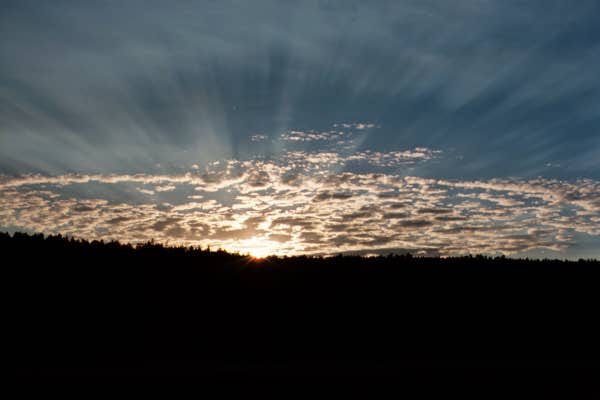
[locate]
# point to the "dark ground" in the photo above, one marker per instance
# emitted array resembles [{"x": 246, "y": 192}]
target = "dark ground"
[{"x": 92, "y": 309}]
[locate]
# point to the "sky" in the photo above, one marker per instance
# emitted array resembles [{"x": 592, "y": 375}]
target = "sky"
[{"x": 308, "y": 127}]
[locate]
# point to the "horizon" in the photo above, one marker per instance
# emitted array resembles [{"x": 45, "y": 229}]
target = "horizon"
[
  {"x": 267, "y": 257},
  {"x": 325, "y": 127}
]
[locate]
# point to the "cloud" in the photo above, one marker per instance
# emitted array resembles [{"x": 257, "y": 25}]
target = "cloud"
[
  {"x": 274, "y": 206},
  {"x": 258, "y": 137},
  {"x": 300, "y": 136},
  {"x": 323, "y": 196},
  {"x": 166, "y": 188},
  {"x": 393, "y": 158},
  {"x": 146, "y": 191},
  {"x": 359, "y": 125}
]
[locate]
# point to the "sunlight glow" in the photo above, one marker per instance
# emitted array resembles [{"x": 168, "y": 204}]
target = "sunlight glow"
[{"x": 257, "y": 247}]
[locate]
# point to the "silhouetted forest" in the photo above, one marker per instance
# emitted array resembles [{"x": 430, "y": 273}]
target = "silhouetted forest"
[{"x": 85, "y": 307}]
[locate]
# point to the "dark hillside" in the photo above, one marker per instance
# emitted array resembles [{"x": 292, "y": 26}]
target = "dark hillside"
[{"x": 81, "y": 306}]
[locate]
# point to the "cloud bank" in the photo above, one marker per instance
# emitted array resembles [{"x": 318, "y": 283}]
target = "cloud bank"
[{"x": 303, "y": 203}]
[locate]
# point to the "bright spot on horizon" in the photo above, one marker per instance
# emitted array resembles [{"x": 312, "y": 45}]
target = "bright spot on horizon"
[{"x": 256, "y": 247}]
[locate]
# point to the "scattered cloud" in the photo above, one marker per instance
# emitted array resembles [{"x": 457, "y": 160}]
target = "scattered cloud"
[
  {"x": 303, "y": 203},
  {"x": 166, "y": 188},
  {"x": 342, "y": 134},
  {"x": 359, "y": 125},
  {"x": 258, "y": 137},
  {"x": 394, "y": 158},
  {"x": 146, "y": 191},
  {"x": 300, "y": 136}
]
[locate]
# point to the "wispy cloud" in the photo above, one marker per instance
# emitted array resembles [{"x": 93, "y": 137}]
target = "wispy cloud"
[
  {"x": 510, "y": 85},
  {"x": 300, "y": 136},
  {"x": 258, "y": 137}
]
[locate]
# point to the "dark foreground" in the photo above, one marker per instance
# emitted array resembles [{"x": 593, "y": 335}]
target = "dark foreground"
[{"x": 106, "y": 309}]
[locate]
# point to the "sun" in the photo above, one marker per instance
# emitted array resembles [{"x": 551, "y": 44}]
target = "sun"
[
  {"x": 259, "y": 253},
  {"x": 257, "y": 247}
]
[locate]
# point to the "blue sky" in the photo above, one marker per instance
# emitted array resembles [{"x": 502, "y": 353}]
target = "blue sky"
[{"x": 101, "y": 100}]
